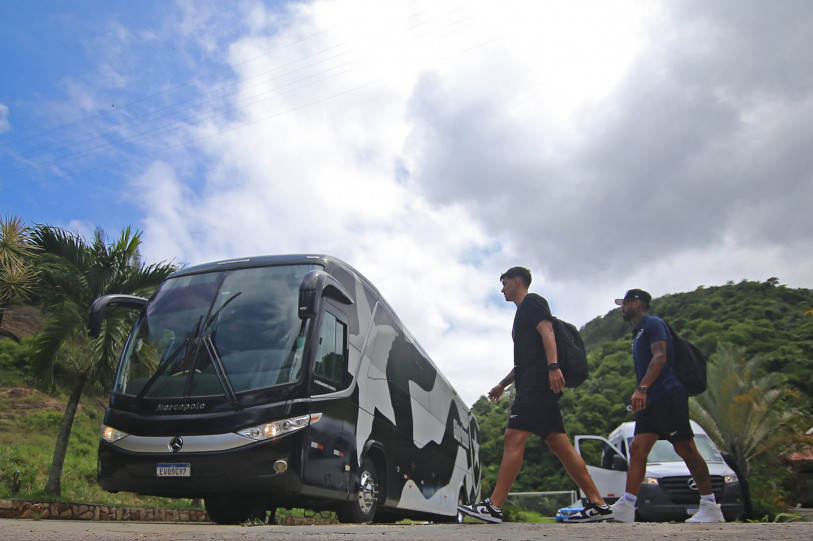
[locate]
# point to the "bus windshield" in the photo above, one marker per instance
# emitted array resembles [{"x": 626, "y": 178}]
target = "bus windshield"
[{"x": 216, "y": 333}]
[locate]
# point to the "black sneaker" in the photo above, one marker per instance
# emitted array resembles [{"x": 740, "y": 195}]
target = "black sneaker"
[
  {"x": 591, "y": 513},
  {"x": 483, "y": 510}
]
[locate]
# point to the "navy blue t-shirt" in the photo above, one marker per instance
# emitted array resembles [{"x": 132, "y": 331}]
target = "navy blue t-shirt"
[
  {"x": 530, "y": 360},
  {"x": 649, "y": 330}
]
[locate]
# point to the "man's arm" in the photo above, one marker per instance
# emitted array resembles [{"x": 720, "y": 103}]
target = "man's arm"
[
  {"x": 652, "y": 372},
  {"x": 495, "y": 393},
  {"x": 555, "y": 376}
]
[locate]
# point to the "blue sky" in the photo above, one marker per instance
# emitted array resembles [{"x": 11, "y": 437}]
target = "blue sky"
[{"x": 432, "y": 145}]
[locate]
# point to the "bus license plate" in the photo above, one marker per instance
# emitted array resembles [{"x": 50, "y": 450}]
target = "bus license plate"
[{"x": 173, "y": 470}]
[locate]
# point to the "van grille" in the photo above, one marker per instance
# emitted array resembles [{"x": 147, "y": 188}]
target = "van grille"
[{"x": 679, "y": 491}]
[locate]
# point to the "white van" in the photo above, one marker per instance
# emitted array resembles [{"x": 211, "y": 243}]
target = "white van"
[{"x": 668, "y": 491}]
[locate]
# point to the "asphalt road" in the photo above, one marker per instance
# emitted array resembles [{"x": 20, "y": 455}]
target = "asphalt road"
[{"x": 58, "y": 530}]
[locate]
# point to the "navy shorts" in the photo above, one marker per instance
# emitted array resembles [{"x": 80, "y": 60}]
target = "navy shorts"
[
  {"x": 667, "y": 417},
  {"x": 536, "y": 412}
]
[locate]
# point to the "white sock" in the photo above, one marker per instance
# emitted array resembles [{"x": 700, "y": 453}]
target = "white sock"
[
  {"x": 632, "y": 498},
  {"x": 709, "y": 498}
]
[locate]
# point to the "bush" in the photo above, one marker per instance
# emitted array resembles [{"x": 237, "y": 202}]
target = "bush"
[{"x": 768, "y": 497}]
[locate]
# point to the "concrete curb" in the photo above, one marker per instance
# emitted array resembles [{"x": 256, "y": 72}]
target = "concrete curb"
[{"x": 78, "y": 511}]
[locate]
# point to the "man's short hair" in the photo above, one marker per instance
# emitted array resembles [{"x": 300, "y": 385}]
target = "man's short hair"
[{"x": 518, "y": 272}]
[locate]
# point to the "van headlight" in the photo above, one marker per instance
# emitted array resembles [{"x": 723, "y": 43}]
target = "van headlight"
[
  {"x": 730, "y": 479},
  {"x": 110, "y": 434},
  {"x": 275, "y": 429},
  {"x": 650, "y": 481}
]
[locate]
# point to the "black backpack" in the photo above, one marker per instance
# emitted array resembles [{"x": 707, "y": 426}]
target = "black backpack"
[
  {"x": 570, "y": 351},
  {"x": 689, "y": 364}
]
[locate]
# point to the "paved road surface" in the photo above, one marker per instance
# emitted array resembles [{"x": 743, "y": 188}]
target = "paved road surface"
[{"x": 58, "y": 530}]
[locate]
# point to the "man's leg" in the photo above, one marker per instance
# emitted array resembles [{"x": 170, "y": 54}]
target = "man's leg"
[
  {"x": 560, "y": 445},
  {"x": 687, "y": 450},
  {"x": 512, "y": 456},
  {"x": 639, "y": 451},
  {"x": 709, "y": 510}
]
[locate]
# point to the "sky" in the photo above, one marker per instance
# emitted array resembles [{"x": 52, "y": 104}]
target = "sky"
[{"x": 430, "y": 144}]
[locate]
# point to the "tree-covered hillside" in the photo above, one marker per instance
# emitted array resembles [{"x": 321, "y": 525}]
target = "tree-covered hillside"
[{"x": 767, "y": 320}]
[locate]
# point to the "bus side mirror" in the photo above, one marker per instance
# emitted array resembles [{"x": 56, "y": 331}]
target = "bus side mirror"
[
  {"x": 99, "y": 308},
  {"x": 317, "y": 284}
]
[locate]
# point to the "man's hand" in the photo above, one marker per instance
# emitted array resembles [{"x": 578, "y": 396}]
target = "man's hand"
[
  {"x": 495, "y": 393},
  {"x": 556, "y": 379},
  {"x": 638, "y": 400}
]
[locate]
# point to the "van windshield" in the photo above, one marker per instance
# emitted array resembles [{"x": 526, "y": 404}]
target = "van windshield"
[
  {"x": 217, "y": 333},
  {"x": 663, "y": 451}
]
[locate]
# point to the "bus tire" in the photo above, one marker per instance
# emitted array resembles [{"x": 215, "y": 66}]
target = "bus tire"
[
  {"x": 362, "y": 507},
  {"x": 231, "y": 511}
]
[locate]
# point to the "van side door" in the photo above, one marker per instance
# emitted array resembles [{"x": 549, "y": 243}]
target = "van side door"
[{"x": 606, "y": 464}]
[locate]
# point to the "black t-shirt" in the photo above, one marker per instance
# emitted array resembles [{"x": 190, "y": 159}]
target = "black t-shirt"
[{"x": 530, "y": 361}]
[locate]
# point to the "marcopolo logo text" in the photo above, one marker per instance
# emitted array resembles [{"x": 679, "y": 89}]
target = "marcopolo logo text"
[{"x": 181, "y": 407}]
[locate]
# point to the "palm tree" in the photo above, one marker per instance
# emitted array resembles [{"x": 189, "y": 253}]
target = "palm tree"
[
  {"x": 17, "y": 275},
  {"x": 747, "y": 411},
  {"x": 73, "y": 274}
]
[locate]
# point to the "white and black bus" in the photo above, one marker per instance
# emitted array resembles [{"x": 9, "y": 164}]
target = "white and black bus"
[{"x": 283, "y": 382}]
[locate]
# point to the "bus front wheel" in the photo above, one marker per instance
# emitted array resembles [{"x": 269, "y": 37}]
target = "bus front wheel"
[{"x": 361, "y": 507}]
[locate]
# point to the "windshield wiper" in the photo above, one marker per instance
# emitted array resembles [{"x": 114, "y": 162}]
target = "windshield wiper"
[
  {"x": 214, "y": 356},
  {"x": 220, "y": 371},
  {"x": 166, "y": 362},
  {"x": 161, "y": 369}
]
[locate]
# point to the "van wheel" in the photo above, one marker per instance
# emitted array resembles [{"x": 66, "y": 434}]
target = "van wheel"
[
  {"x": 229, "y": 511},
  {"x": 361, "y": 508}
]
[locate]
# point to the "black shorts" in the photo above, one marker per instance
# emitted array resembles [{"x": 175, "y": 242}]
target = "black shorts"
[
  {"x": 667, "y": 417},
  {"x": 536, "y": 412}
]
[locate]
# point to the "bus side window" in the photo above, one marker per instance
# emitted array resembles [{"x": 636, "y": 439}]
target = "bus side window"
[{"x": 330, "y": 369}]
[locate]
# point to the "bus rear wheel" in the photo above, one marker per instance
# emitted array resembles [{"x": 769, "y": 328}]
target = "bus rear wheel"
[
  {"x": 231, "y": 511},
  {"x": 362, "y": 507}
]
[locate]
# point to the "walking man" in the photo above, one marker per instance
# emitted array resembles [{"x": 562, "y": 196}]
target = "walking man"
[
  {"x": 539, "y": 383},
  {"x": 662, "y": 410}
]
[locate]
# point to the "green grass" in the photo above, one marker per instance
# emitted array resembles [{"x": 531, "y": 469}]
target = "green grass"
[{"x": 28, "y": 426}]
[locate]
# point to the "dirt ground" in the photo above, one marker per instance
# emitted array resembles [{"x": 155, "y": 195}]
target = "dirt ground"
[{"x": 56, "y": 530}]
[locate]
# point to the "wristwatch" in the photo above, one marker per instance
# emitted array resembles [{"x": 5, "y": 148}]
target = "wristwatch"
[
  {"x": 643, "y": 388},
  {"x": 553, "y": 366}
]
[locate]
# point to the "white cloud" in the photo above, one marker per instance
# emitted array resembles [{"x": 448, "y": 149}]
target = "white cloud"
[
  {"x": 432, "y": 145},
  {"x": 5, "y": 125}
]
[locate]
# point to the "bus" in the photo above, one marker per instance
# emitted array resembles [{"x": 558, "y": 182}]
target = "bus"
[{"x": 283, "y": 382}]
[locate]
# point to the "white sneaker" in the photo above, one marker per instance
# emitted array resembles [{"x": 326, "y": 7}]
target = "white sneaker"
[
  {"x": 623, "y": 510},
  {"x": 708, "y": 512}
]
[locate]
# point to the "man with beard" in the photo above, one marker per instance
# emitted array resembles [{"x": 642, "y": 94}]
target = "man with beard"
[{"x": 662, "y": 410}]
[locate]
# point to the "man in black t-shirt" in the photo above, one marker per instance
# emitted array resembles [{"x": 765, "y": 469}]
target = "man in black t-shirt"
[{"x": 539, "y": 383}]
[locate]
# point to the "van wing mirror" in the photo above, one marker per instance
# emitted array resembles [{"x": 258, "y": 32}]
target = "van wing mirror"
[
  {"x": 618, "y": 463},
  {"x": 99, "y": 308},
  {"x": 317, "y": 284}
]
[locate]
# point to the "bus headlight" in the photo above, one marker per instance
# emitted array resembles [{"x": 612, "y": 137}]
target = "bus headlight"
[
  {"x": 110, "y": 434},
  {"x": 275, "y": 429}
]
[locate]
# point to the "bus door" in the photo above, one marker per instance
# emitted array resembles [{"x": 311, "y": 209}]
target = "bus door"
[{"x": 330, "y": 447}]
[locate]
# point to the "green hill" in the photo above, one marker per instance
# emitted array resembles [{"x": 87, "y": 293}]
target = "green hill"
[{"x": 765, "y": 318}]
